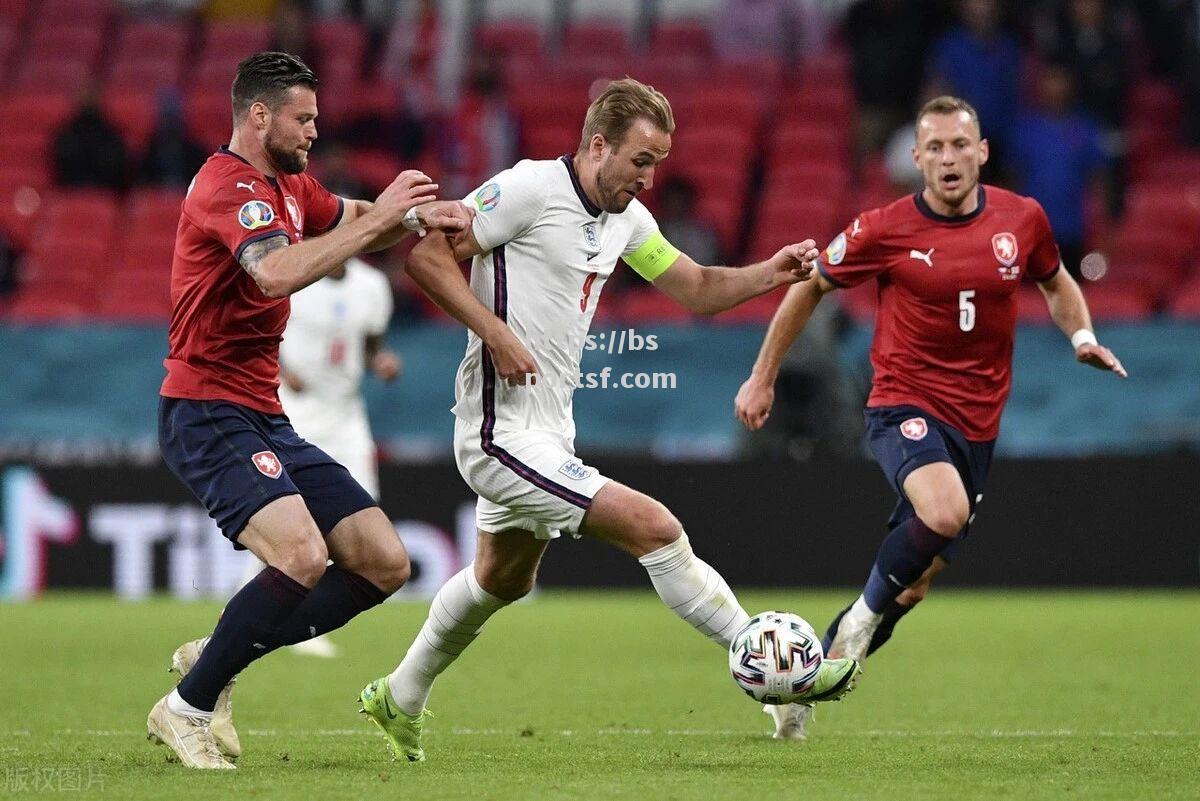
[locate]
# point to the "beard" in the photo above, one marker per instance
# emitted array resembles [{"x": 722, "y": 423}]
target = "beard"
[
  {"x": 288, "y": 160},
  {"x": 611, "y": 199}
]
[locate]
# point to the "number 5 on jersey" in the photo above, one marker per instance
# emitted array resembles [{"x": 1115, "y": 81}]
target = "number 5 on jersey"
[{"x": 966, "y": 310}]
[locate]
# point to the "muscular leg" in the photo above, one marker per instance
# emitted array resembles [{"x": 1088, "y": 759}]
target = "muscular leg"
[
  {"x": 369, "y": 564},
  {"x": 283, "y": 535},
  {"x": 504, "y": 570},
  {"x": 908, "y": 552},
  {"x": 643, "y": 527}
]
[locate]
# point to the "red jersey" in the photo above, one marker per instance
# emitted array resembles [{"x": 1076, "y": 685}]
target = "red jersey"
[
  {"x": 225, "y": 333},
  {"x": 947, "y": 300}
]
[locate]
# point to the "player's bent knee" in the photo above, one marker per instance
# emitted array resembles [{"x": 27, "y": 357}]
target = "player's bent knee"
[
  {"x": 946, "y": 519},
  {"x": 393, "y": 569},
  {"x": 507, "y": 584},
  {"x": 303, "y": 560}
]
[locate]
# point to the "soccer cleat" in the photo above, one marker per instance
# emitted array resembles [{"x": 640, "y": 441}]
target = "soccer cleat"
[
  {"x": 403, "y": 732},
  {"x": 791, "y": 720},
  {"x": 853, "y": 638},
  {"x": 189, "y": 737},
  {"x": 182, "y": 661},
  {"x": 320, "y": 646},
  {"x": 835, "y": 678}
]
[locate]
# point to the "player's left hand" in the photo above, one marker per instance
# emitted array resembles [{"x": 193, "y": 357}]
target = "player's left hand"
[
  {"x": 794, "y": 263},
  {"x": 1101, "y": 358},
  {"x": 450, "y": 216},
  {"x": 386, "y": 366}
]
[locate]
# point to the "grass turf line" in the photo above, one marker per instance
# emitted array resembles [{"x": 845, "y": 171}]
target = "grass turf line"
[{"x": 584, "y": 695}]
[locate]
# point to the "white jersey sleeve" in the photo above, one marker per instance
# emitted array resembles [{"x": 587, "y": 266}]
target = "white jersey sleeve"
[
  {"x": 648, "y": 252},
  {"x": 507, "y": 205},
  {"x": 644, "y": 227},
  {"x": 380, "y": 310}
]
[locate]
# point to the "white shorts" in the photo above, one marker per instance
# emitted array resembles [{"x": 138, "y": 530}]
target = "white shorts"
[
  {"x": 527, "y": 480},
  {"x": 348, "y": 442}
]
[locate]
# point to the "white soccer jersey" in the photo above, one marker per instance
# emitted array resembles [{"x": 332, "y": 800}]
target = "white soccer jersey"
[
  {"x": 324, "y": 344},
  {"x": 548, "y": 251}
]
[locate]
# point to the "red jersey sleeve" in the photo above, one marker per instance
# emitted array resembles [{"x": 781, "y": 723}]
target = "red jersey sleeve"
[
  {"x": 854, "y": 256},
  {"x": 322, "y": 209},
  {"x": 1044, "y": 258},
  {"x": 240, "y": 213}
]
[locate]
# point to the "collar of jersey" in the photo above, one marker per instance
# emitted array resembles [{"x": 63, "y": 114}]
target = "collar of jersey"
[
  {"x": 588, "y": 206},
  {"x": 225, "y": 151},
  {"x": 923, "y": 207}
]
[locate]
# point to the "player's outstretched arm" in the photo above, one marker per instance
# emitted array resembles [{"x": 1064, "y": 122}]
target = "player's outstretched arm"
[
  {"x": 451, "y": 216},
  {"x": 280, "y": 269},
  {"x": 757, "y": 394},
  {"x": 433, "y": 264},
  {"x": 1069, "y": 311},
  {"x": 709, "y": 290}
]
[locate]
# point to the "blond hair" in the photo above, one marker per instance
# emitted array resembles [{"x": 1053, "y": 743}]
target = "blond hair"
[
  {"x": 948, "y": 104},
  {"x": 623, "y": 101}
]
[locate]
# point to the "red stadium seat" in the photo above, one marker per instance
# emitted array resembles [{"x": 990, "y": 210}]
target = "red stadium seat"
[
  {"x": 756, "y": 311},
  {"x": 1136, "y": 242},
  {"x": 670, "y": 72},
  {"x": 206, "y": 115},
  {"x": 48, "y": 306},
  {"x": 803, "y": 140},
  {"x": 1176, "y": 206},
  {"x": 152, "y": 208},
  {"x": 860, "y": 302},
  {"x": 706, "y": 105},
  {"x": 551, "y": 101},
  {"x": 683, "y": 37},
  {"x": 22, "y": 193},
  {"x": 237, "y": 40},
  {"x": 134, "y": 113},
  {"x": 37, "y": 110},
  {"x": 1185, "y": 302},
  {"x": 1118, "y": 302},
  {"x": 646, "y": 305},
  {"x": 549, "y": 140},
  {"x": 1031, "y": 307},
  {"x": 374, "y": 168},
  {"x": 509, "y": 38},
  {"x": 61, "y": 75},
  {"x": 1156, "y": 100},
  {"x": 597, "y": 37},
  {"x": 13, "y": 11},
  {"x": 94, "y": 13}
]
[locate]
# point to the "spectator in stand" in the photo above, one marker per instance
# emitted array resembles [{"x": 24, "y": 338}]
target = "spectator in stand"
[
  {"x": 1175, "y": 48},
  {"x": 681, "y": 224},
  {"x": 484, "y": 132},
  {"x": 979, "y": 61},
  {"x": 1090, "y": 36},
  {"x": 88, "y": 150},
  {"x": 172, "y": 159},
  {"x": 1059, "y": 154},
  {"x": 888, "y": 42},
  {"x": 332, "y": 165}
]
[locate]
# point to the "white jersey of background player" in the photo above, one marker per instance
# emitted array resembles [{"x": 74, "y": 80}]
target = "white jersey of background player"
[
  {"x": 545, "y": 238},
  {"x": 333, "y": 336}
]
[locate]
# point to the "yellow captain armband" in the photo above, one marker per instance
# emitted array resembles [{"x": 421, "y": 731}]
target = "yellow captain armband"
[{"x": 654, "y": 257}]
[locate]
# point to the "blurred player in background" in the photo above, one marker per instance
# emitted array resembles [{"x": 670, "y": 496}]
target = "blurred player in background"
[
  {"x": 545, "y": 239},
  {"x": 335, "y": 334},
  {"x": 948, "y": 261},
  {"x": 253, "y": 230}
]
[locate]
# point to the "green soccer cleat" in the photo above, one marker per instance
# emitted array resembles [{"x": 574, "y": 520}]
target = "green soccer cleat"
[
  {"x": 403, "y": 732},
  {"x": 835, "y": 678}
]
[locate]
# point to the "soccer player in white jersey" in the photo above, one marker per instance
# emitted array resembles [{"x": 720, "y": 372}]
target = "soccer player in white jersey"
[
  {"x": 545, "y": 239},
  {"x": 335, "y": 334}
]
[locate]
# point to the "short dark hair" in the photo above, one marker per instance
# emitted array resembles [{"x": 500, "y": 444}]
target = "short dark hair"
[{"x": 266, "y": 78}]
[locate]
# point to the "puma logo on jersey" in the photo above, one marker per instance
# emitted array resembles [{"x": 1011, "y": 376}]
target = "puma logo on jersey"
[
  {"x": 854, "y": 229},
  {"x": 926, "y": 257},
  {"x": 249, "y": 186}
]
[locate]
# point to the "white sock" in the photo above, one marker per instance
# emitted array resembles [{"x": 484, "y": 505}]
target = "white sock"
[
  {"x": 859, "y": 611},
  {"x": 457, "y": 614},
  {"x": 176, "y": 704},
  {"x": 695, "y": 591}
]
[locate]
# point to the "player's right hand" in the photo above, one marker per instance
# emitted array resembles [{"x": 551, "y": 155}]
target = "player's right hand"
[
  {"x": 411, "y": 188},
  {"x": 796, "y": 262},
  {"x": 513, "y": 361},
  {"x": 753, "y": 402}
]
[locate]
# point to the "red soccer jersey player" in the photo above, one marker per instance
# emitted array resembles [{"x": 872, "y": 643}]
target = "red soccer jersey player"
[{"x": 947, "y": 262}]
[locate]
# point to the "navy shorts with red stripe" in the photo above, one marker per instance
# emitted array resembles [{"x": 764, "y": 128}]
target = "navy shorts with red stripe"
[
  {"x": 903, "y": 438},
  {"x": 236, "y": 460}
]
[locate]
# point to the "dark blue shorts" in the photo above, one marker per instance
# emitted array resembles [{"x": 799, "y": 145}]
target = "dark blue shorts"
[
  {"x": 904, "y": 438},
  {"x": 236, "y": 460}
]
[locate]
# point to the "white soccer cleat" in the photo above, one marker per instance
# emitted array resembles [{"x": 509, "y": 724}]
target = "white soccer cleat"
[
  {"x": 854, "y": 633},
  {"x": 182, "y": 662},
  {"x": 320, "y": 646},
  {"x": 190, "y": 738},
  {"x": 791, "y": 720}
]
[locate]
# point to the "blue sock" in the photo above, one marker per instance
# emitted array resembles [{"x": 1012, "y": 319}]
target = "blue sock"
[
  {"x": 906, "y": 553},
  {"x": 338, "y": 596},
  {"x": 245, "y": 632}
]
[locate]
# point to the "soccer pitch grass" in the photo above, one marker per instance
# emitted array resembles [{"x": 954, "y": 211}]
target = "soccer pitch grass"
[{"x": 574, "y": 695}]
